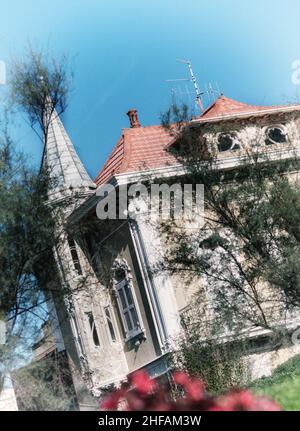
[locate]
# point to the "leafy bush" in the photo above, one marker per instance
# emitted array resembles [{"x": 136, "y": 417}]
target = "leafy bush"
[{"x": 220, "y": 365}]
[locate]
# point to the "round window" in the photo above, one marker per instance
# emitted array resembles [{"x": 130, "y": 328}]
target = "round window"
[
  {"x": 227, "y": 142},
  {"x": 275, "y": 135}
]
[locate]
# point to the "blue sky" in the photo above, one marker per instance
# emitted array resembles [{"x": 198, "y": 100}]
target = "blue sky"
[{"x": 123, "y": 51}]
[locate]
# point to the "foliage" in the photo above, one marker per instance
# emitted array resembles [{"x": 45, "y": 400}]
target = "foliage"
[
  {"x": 220, "y": 365},
  {"x": 146, "y": 394},
  {"x": 43, "y": 386},
  {"x": 283, "y": 385},
  {"x": 39, "y": 85},
  {"x": 31, "y": 225},
  {"x": 27, "y": 231},
  {"x": 248, "y": 251}
]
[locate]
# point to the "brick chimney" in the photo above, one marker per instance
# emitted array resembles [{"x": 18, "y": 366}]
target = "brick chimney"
[{"x": 133, "y": 118}]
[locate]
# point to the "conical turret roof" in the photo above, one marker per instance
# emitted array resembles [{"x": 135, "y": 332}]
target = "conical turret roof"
[{"x": 62, "y": 160}]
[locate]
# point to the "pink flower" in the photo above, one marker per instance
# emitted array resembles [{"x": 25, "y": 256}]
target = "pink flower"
[
  {"x": 111, "y": 401},
  {"x": 142, "y": 382},
  {"x": 148, "y": 395},
  {"x": 264, "y": 404},
  {"x": 195, "y": 389},
  {"x": 244, "y": 400},
  {"x": 180, "y": 378}
]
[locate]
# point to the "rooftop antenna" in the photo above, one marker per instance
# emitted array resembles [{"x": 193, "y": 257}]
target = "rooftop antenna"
[
  {"x": 213, "y": 93},
  {"x": 173, "y": 96},
  {"x": 218, "y": 89},
  {"x": 194, "y": 81}
]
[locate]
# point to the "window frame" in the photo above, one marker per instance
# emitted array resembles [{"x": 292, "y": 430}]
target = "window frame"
[
  {"x": 112, "y": 320},
  {"x": 91, "y": 329},
  {"x": 119, "y": 286},
  {"x": 75, "y": 258},
  {"x": 280, "y": 127},
  {"x": 233, "y": 135}
]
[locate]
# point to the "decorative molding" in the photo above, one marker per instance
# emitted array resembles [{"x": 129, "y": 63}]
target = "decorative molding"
[
  {"x": 136, "y": 336},
  {"x": 123, "y": 265}
]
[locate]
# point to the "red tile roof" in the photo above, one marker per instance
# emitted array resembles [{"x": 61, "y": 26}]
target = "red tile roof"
[
  {"x": 224, "y": 106},
  {"x": 139, "y": 149},
  {"x": 143, "y": 148}
]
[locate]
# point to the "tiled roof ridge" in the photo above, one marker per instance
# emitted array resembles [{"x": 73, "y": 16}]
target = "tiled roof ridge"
[{"x": 224, "y": 106}]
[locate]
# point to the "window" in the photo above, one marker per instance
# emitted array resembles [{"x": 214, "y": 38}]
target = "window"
[
  {"x": 76, "y": 333},
  {"x": 260, "y": 343},
  {"x": 93, "y": 329},
  {"x": 110, "y": 323},
  {"x": 127, "y": 306},
  {"x": 275, "y": 135},
  {"x": 74, "y": 255},
  {"x": 228, "y": 142}
]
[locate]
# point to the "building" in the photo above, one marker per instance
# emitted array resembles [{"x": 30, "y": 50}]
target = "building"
[
  {"x": 47, "y": 378},
  {"x": 124, "y": 315}
]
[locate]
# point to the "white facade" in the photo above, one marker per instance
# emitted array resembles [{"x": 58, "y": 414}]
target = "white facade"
[{"x": 105, "y": 338}]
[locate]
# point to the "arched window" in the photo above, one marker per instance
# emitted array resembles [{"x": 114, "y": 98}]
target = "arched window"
[
  {"x": 93, "y": 329},
  {"x": 74, "y": 255},
  {"x": 275, "y": 135},
  {"x": 110, "y": 323},
  {"x": 228, "y": 142}
]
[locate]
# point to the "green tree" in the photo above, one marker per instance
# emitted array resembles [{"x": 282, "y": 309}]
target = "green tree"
[
  {"x": 249, "y": 244},
  {"x": 44, "y": 385},
  {"x": 247, "y": 253},
  {"x": 40, "y": 84},
  {"x": 31, "y": 225}
]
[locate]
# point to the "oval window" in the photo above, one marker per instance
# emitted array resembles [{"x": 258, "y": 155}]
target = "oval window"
[
  {"x": 275, "y": 135},
  {"x": 228, "y": 142}
]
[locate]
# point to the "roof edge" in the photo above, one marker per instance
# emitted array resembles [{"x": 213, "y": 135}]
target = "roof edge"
[{"x": 270, "y": 110}]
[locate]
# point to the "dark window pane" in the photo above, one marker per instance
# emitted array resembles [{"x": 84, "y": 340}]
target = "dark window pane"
[
  {"x": 224, "y": 142},
  {"x": 112, "y": 331},
  {"x": 122, "y": 298},
  {"x": 119, "y": 275},
  {"x": 95, "y": 337},
  {"x": 128, "y": 321},
  {"x": 275, "y": 135},
  {"x": 93, "y": 329},
  {"x": 128, "y": 294},
  {"x": 227, "y": 141},
  {"x": 134, "y": 317},
  {"x": 74, "y": 255}
]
